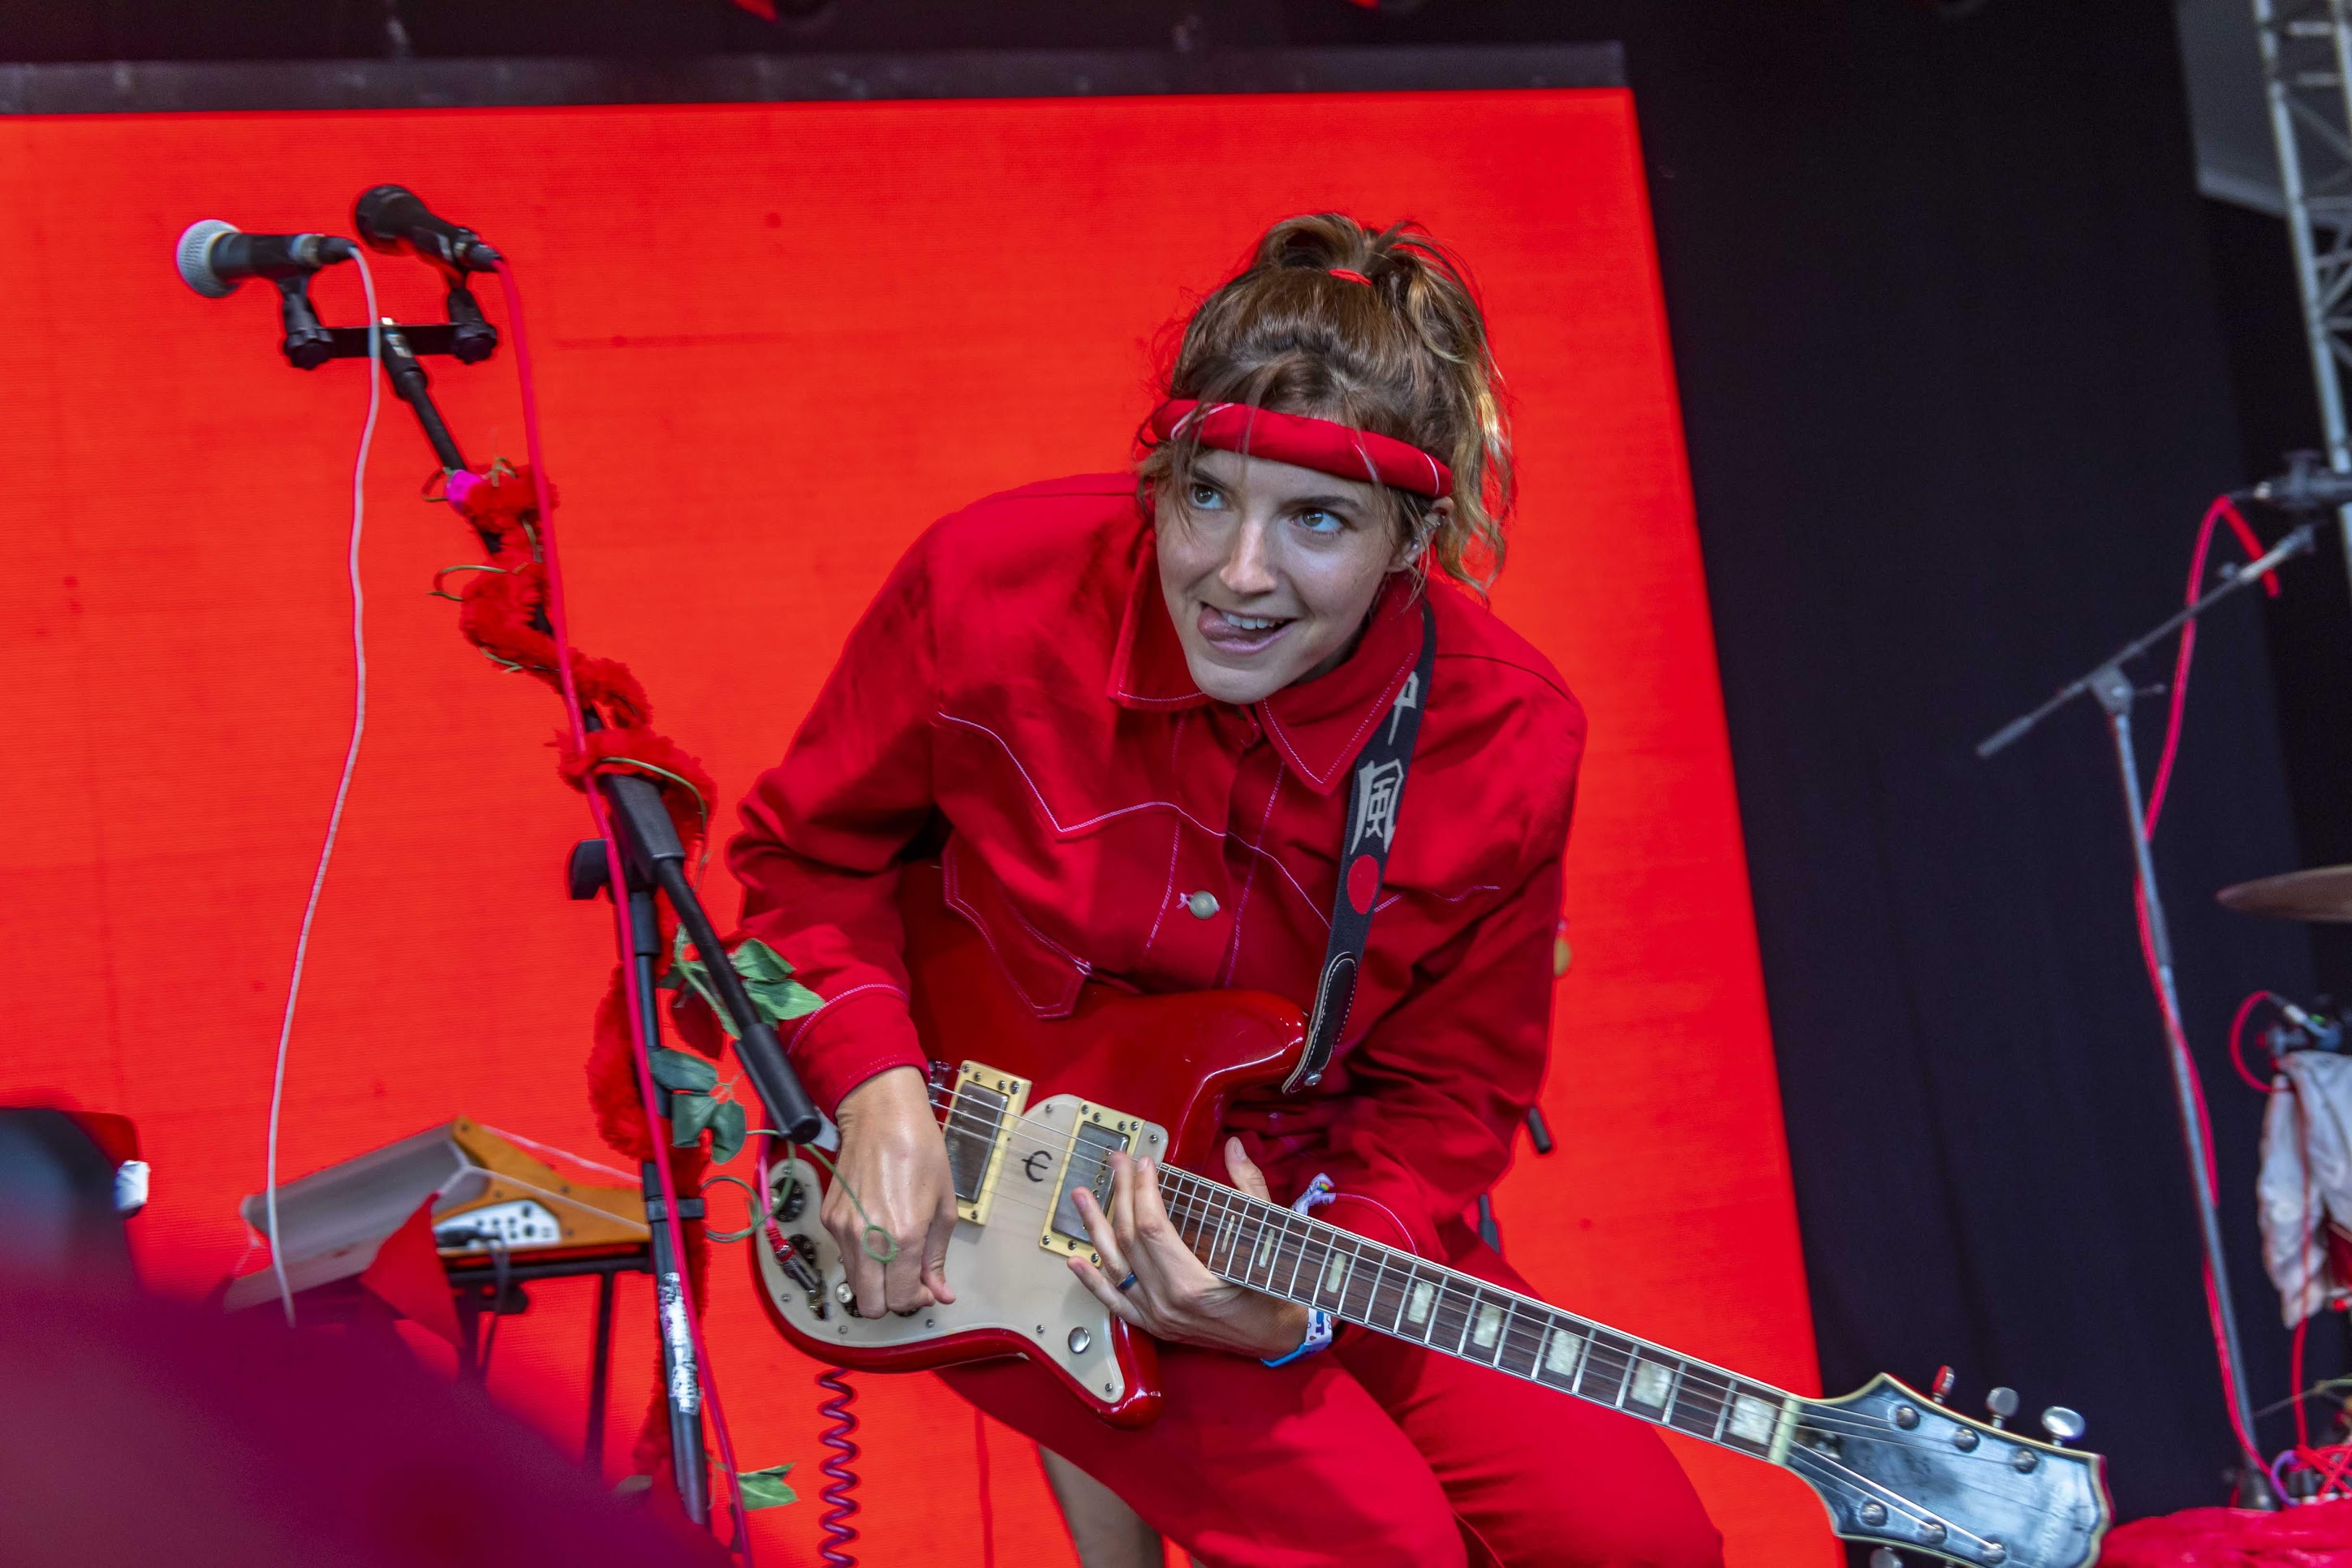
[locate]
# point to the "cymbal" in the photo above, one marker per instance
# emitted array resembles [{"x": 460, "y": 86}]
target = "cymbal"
[{"x": 2322, "y": 893}]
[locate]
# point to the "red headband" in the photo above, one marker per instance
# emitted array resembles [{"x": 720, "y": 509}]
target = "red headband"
[{"x": 1324, "y": 445}]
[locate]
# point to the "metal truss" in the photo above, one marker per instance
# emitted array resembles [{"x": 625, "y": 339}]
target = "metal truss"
[{"x": 2307, "y": 70}]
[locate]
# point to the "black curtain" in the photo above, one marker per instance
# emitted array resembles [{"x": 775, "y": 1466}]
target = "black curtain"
[
  {"x": 1957, "y": 393},
  {"x": 1953, "y": 360}
]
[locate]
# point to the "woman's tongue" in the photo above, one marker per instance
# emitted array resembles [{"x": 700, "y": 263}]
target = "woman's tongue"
[{"x": 1236, "y": 633}]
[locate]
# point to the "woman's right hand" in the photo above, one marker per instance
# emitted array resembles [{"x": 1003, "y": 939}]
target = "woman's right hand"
[{"x": 894, "y": 1157}]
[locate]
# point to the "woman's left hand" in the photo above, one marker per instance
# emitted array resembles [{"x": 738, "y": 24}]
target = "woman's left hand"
[{"x": 1174, "y": 1296}]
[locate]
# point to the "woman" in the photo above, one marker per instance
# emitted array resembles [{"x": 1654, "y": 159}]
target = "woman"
[{"x": 1125, "y": 709}]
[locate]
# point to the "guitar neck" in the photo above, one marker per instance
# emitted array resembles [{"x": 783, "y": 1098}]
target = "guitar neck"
[{"x": 1271, "y": 1249}]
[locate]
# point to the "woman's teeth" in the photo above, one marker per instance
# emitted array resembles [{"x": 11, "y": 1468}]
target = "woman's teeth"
[{"x": 1252, "y": 622}]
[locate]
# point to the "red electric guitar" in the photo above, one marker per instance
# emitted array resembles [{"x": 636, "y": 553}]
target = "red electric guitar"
[{"x": 1035, "y": 1109}]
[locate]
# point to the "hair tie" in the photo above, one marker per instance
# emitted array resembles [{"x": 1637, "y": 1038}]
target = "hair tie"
[{"x": 1351, "y": 275}]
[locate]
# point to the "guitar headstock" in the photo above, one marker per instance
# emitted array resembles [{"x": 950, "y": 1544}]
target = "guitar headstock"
[{"x": 1897, "y": 1469}]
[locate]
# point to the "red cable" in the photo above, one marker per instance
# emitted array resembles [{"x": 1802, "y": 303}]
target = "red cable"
[
  {"x": 617, "y": 880},
  {"x": 841, "y": 1480},
  {"x": 2175, "y": 1035},
  {"x": 840, "y": 1506},
  {"x": 2222, "y": 507},
  {"x": 2295, "y": 1371},
  {"x": 2237, "y": 1042}
]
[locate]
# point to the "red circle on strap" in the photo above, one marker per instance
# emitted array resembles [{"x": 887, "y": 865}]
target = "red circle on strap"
[{"x": 1363, "y": 882}]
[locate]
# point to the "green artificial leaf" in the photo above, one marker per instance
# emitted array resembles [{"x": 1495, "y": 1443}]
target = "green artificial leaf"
[
  {"x": 766, "y": 1489},
  {"x": 758, "y": 963},
  {"x": 690, "y": 1113},
  {"x": 767, "y": 977},
  {"x": 677, "y": 1071},
  {"x": 728, "y": 1130}
]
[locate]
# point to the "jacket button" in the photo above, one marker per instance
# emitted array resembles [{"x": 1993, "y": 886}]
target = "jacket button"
[{"x": 1202, "y": 904}]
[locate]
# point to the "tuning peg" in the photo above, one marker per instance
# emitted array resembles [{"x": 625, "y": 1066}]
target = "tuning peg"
[
  {"x": 1942, "y": 1385},
  {"x": 1885, "y": 1557},
  {"x": 2063, "y": 1424},
  {"x": 2002, "y": 1403}
]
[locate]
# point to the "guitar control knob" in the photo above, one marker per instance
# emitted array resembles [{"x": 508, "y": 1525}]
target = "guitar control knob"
[
  {"x": 1885, "y": 1557},
  {"x": 2002, "y": 1403},
  {"x": 2063, "y": 1424}
]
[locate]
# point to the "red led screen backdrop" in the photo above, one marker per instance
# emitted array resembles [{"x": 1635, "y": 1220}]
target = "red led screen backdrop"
[{"x": 841, "y": 322}]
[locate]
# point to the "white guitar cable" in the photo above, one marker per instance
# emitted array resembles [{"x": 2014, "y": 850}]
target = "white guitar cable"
[{"x": 342, "y": 786}]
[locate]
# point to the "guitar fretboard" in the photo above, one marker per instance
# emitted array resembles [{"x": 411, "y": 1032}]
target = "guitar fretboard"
[{"x": 1269, "y": 1248}]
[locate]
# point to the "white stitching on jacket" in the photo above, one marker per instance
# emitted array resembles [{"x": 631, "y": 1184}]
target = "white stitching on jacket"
[
  {"x": 1354, "y": 742},
  {"x": 1402, "y": 1229},
  {"x": 830, "y": 1001},
  {"x": 1071, "y": 830},
  {"x": 1168, "y": 894},
  {"x": 1233, "y": 944},
  {"x": 952, "y": 889}
]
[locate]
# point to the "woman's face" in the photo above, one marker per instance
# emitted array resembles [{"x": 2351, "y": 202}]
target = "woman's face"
[{"x": 1270, "y": 570}]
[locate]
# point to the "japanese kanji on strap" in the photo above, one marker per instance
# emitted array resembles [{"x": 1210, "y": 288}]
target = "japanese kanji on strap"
[{"x": 1375, "y": 791}]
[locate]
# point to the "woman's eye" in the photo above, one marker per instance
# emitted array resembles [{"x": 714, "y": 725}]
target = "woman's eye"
[
  {"x": 1207, "y": 497},
  {"x": 1319, "y": 522}
]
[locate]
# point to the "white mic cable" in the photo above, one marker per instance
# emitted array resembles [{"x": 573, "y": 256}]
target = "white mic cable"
[{"x": 342, "y": 786}]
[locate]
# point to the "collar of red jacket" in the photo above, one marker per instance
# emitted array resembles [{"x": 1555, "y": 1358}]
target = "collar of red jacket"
[{"x": 1318, "y": 725}]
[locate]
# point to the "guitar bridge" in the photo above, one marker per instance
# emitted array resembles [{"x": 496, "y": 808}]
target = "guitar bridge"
[{"x": 983, "y": 1111}]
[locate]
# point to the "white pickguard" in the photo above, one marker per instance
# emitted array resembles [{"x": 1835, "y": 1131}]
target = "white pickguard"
[{"x": 1003, "y": 1274}]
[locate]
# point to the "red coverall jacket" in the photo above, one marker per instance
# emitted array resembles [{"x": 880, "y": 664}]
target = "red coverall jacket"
[{"x": 1018, "y": 675}]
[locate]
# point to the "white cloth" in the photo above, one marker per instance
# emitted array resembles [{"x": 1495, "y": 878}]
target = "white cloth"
[{"x": 2306, "y": 1177}]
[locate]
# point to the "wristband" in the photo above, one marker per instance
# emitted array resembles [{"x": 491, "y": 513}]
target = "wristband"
[{"x": 1318, "y": 1338}]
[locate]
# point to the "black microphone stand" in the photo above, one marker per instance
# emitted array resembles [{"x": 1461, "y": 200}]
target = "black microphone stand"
[
  {"x": 654, "y": 862},
  {"x": 2115, "y": 693}
]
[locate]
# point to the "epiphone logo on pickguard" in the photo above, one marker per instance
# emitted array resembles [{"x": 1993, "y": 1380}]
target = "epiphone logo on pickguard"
[{"x": 1039, "y": 1165}]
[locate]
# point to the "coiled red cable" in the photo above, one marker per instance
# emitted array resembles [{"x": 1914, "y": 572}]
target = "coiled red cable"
[{"x": 841, "y": 1480}]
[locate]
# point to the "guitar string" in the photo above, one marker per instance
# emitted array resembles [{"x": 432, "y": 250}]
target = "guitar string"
[
  {"x": 1295, "y": 1233},
  {"x": 1518, "y": 1336},
  {"x": 1863, "y": 1485},
  {"x": 1912, "y": 1512},
  {"x": 1206, "y": 1204},
  {"x": 1709, "y": 1379},
  {"x": 1291, "y": 1234},
  {"x": 1524, "y": 1341}
]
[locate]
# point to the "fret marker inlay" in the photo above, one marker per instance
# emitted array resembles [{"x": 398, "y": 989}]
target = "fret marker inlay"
[
  {"x": 1335, "y": 1275},
  {"x": 1416, "y": 1307},
  {"x": 1559, "y": 1356},
  {"x": 1752, "y": 1419},
  {"x": 1489, "y": 1324},
  {"x": 1651, "y": 1384}
]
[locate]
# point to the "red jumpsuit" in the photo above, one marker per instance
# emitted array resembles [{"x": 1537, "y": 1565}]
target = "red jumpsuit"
[{"x": 1018, "y": 682}]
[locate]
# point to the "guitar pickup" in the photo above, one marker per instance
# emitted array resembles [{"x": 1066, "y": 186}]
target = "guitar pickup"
[
  {"x": 982, "y": 1113},
  {"x": 1096, "y": 1135}
]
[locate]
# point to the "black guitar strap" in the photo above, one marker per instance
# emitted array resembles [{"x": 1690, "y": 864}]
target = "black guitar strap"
[{"x": 1375, "y": 794}]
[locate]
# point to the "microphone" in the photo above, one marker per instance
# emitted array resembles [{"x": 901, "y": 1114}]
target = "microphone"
[
  {"x": 2308, "y": 485},
  {"x": 214, "y": 256},
  {"x": 394, "y": 219}
]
